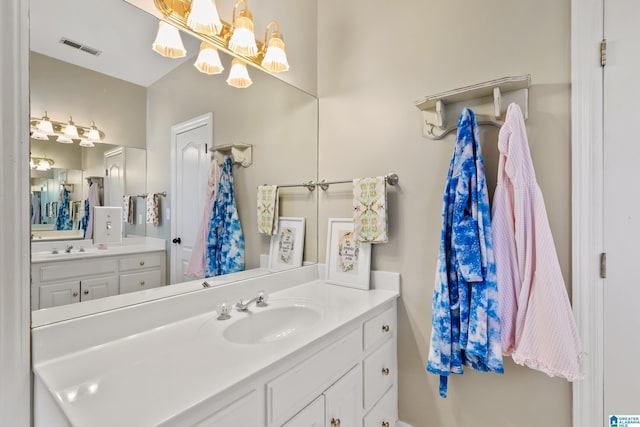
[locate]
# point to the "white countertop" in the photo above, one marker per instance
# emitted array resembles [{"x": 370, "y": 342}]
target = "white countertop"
[
  {"x": 41, "y": 251},
  {"x": 150, "y": 377}
]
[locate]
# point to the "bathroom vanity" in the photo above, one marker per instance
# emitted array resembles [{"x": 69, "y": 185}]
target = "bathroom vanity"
[
  {"x": 317, "y": 354},
  {"x": 86, "y": 272}
]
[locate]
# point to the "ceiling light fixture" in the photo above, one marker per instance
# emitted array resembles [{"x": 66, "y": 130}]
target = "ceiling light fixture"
[
  {"x": 243, "y": 40},
  {"x": 168, "y": 41},
  {"x": 238, "y": 75},
  {"x": 65, "y": 133},
  {"x": 237, "y": 39},
  {"x": 208, "y": 61},
  {"x": 203, "y": 17},
  {"x": 275, "y": 57}
]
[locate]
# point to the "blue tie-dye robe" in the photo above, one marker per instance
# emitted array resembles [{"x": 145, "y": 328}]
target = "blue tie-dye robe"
[
  {"x": 466, "y": 326},
  {"x": 63, "y": 220},
  {"x": 225, "y": 243}
]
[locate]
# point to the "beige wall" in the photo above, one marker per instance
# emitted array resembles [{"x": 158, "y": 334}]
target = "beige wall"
[
  {"x": 279, "y": 120},
  {"x": 62, "y": 89},
  {"x": 376, "y": 59}
]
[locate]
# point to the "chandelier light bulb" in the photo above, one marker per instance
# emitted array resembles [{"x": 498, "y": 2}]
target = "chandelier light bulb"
[
  {"x": 71, "y": 130},
  {"x": 168, "y": 42},
  {"x": 208, "y": 61},
  {"x": 239, "y": 75},
  {"x": 243, "y": 40},
  {"x": 204, "y": 18},
  {"x": 275, "y": 59}
]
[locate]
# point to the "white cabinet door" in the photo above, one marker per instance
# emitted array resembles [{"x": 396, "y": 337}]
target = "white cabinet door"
[
  {"x": 310, "y": 416},
  {"x": 343, "y": 399},
  {"x": 57, "y": 294},
  {"x": 98, "y": 288}
]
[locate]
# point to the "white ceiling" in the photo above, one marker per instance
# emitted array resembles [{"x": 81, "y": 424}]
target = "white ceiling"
[{"x": 121, "y": 31}]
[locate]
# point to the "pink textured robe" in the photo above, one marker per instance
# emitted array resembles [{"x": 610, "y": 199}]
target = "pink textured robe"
[
  {"x": 197, "y": 263},
  {"x": 538, "y": 327}
]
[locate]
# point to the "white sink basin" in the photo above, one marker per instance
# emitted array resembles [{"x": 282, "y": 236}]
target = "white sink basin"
[{"x": 271, "y": 324}]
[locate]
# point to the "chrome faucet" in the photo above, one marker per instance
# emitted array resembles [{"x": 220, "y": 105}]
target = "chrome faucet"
[
  {"x": 67, "y": 249},
  {"x": 260, "y": 300}
]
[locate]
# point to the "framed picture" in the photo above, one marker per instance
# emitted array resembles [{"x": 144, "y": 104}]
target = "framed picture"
[
  {"x": 287, "y": 246},
  {"x": 348, "y": 260}
]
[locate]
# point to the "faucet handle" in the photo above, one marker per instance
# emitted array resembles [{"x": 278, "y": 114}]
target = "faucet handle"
[
  {"x": 223, "y": 310},
  {"x": 262, "y": 299}
]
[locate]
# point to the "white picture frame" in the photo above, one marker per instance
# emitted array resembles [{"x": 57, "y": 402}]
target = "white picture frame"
[
  {"x": 287, "y": 245},
  {"x": 350, "y": 267}
]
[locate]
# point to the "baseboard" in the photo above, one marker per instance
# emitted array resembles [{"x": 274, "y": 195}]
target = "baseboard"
[{"x": 403, "y": 424}]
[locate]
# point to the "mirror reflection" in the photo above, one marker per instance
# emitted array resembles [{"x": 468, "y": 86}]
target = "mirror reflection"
[{"x": 151, "y": 165}]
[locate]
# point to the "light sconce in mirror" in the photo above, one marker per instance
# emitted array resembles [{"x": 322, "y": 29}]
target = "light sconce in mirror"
[
  {"x": 66, "y": 133},
  {"x": 238, "y": 75},
  {"x": 198, "y": 17},
  {"x": 41, "y": 163}
]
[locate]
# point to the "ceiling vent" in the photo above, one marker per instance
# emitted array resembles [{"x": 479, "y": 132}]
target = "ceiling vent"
[{"x": 80, "y": 46}]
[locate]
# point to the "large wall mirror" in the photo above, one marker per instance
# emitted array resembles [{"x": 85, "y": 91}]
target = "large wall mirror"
[{"x": 135, "y": 97}]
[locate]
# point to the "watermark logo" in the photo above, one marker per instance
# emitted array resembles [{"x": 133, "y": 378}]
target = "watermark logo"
[{"x": 624, "y": 420}]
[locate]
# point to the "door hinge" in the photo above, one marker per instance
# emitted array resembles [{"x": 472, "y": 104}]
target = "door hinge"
[
  {"x": 603, "y": 52},
  {"x": 106, "y": 172},
  {"x": 603, "y": 265},
  {"x": 206, "y": 148}
]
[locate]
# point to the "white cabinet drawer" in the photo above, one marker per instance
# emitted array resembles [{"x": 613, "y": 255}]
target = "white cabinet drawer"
[
  {"x": 140, "y": 261},
  {"x": 76, "y": 269},
  {"x": 379, "y": 373},
  {"x": 310, "y": 416},
  {"x": 379, "y": 328},
  {"x": 385, "y": 413},
  {"x": 287, "y": 393},
  {"x": 139, "y": 281}
]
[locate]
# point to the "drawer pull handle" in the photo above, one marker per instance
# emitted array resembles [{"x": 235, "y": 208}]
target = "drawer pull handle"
[
  {"x": 385, "y": 328},
  {"x": 385, "y": 371},
  {"x": 385, "y": 424},
  {"x": 86, "y": 292},
  {"x": 75, "y": 294},
  {"x": 141, "y": 263},
  {"x": 142, "y": 283},
  {"x": 335, "y": 422}
]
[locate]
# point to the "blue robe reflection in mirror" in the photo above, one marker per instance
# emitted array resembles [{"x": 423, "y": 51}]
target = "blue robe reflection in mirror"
[
  {"x": 63, "y": 220},
  {"x": 225, "y": 243}
]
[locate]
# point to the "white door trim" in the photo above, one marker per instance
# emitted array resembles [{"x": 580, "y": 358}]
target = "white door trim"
[
  {"x": 15, "y": 289},
  {"x": 196, "y": 122},
  {"x": 587, "y": 205}
]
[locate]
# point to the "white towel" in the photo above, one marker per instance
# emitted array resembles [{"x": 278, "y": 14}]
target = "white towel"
[
  {"x": 127, "y": 209},
  {"x": 370, "y": 209},
  {"x": 268, "y": 209},
  {"x": 153, "y": 209}
]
